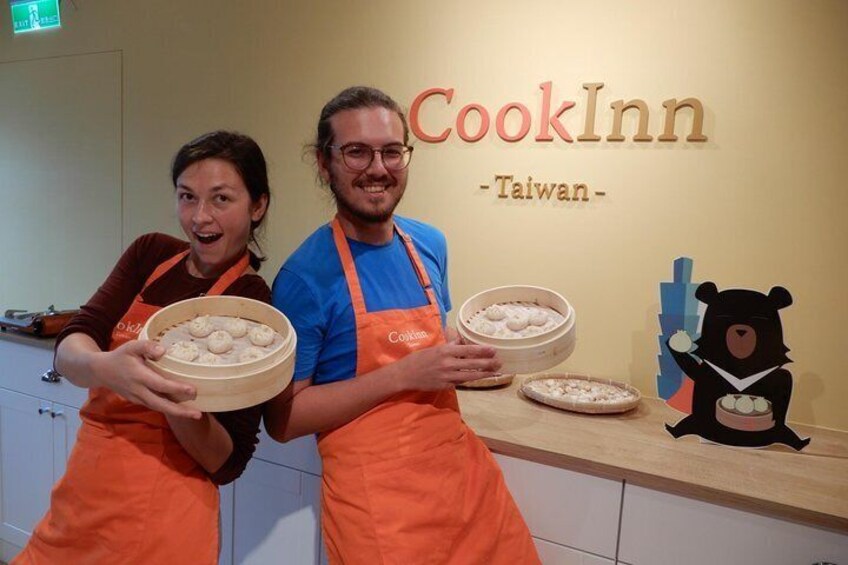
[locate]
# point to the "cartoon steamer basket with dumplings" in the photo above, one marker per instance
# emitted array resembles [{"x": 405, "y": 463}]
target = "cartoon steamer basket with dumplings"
[{"x": 236, "y": 352}]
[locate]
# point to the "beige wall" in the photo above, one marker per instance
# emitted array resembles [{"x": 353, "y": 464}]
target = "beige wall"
[{"x": 755, "y": 206}]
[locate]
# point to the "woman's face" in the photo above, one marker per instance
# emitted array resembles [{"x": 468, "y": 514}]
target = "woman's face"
[{"x": 215, "y": 212}]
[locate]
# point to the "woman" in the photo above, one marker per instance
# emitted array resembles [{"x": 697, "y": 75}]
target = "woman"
[{"x": 141, "y": 481}]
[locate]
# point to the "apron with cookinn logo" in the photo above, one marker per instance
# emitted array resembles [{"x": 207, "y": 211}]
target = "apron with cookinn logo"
[
  {"x": 131, "y": 494},
  {"x": 407, "y": 482}
]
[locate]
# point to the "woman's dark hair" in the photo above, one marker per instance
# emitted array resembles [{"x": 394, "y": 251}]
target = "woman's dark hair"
[
  {"x": 245, "y": 155},
  {"x": 351, "y": 99}
]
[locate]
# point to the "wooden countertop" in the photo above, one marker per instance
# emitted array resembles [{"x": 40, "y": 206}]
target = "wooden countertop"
[{"x": 809, "y": 487}]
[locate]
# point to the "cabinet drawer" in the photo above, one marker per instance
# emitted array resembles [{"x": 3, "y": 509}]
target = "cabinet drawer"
[
  {"x": 21, "y": 367},
  {"x": 659, "y": 529},
  {"x": 564, "y": 507}
]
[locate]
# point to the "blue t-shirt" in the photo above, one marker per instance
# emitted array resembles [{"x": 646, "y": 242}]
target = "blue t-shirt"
[{"x": 312, "y": 292}]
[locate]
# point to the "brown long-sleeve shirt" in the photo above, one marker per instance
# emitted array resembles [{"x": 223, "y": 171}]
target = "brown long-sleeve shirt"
[{"x": 98, "y": 317}]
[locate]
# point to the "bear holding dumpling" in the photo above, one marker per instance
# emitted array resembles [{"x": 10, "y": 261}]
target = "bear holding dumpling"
[{"x": 741, "y": 390}]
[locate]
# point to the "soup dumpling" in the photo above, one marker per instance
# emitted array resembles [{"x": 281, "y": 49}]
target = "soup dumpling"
[
  {"x": 236, "y": 327},
  {"x": 184, "y": 350},
  {"x": 261, "y": 335},
  {"x": 208, "y": 359},
  {"x": 201, "y": 326},
  {"x": 539, "y": 318},
  {"x": 495, "y": 312},
  {"x": 250, "y": 354},
  {"x": 219, "y": 341},
  {"x": 518, "y": 321}
]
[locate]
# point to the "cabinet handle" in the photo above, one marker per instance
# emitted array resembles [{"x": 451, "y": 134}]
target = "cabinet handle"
[
  {"x": 54, "y": 413},
  {"x": 43, "y": 410},
  {"x": 51, "y": 376}
]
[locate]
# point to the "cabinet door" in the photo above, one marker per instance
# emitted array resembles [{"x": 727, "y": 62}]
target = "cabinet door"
[
  {"x": 276, "y": 516},
  {"x": 555, "y": 554},
  {"x": 664, "y": 529},
  {"x": 226, "y": 557},
  {"x": 564, "y": 507},
  {"x": 26, "y": 460},
  {"x": 300, "y": 453},
  {"x": 66, "y": 425}
]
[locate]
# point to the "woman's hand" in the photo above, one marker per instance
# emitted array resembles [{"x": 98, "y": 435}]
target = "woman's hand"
[{"x": 125, "y": 372}]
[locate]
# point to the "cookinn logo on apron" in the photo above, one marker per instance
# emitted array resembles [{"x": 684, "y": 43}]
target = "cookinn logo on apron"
[{"x": 410, "y": 336}]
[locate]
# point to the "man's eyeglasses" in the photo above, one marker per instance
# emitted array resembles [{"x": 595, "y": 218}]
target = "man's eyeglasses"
[{"x": 358, "y": 156}]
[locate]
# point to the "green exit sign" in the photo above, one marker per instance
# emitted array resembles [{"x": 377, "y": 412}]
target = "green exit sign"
[{"x": 34, "y": 15}]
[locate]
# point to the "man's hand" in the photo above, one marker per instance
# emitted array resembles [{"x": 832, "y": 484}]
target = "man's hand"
[{"x": 442, "y": 366}]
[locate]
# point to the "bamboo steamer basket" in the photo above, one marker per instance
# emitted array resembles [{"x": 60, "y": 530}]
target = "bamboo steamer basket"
[
  {"x": 226, "y": 387},
  {"x": 530, "y": 354}
]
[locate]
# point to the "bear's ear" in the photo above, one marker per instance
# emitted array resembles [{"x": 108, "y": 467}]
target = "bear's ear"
[
  {"x": 706, "y": 292},
  {"x": 779, "y": 297}
]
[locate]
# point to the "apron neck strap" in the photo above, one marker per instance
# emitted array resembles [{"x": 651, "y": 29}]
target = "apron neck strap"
[
  {"x": 353, "y": 285},
  {"x": 224, "y": 281},
  {"x": 230, "y": 276},
  {"x": 163, "y": 268}
]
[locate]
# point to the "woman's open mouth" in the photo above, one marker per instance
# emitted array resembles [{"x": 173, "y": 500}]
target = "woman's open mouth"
[{"x": 206, "y": 239}]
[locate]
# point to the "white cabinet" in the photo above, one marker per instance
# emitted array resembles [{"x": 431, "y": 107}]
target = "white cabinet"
[
  {"x": 226, "y": 552},
  {"x": 36, "y": 437},
  {"x": 554, "y": 554},
  {"x": 276, "y": 516},
  {"x": 39, "y": 421},
  {"x": 565, "y": 508},
  {"x": 663, "y": 529}
]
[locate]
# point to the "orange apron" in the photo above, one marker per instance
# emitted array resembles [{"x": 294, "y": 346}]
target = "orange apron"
[
  {"x": 131, "y": 494},
  {"x": 408, "y": 482}
]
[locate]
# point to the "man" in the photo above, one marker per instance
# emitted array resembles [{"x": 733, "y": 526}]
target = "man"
[{"x": 404, "y": 479}]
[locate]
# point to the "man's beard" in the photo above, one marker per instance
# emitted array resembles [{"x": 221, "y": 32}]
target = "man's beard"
[{"x": 367, "y": 215}]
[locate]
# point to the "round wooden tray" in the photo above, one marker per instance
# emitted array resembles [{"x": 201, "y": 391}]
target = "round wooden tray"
[
  {"x": 488, "y": 382},
  {"x": 221, "y": 388},
  {"x": 530, "y": 354},
  {"x": 577, "y": 406}
]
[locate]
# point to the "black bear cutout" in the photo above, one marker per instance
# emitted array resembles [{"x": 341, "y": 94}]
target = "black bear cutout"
[{"x": 741, "y": 342}]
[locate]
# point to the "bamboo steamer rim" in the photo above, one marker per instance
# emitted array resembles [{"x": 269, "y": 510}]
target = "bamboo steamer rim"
[
  {"x": 586, "y": 407},
  {"x": 515, "y": 344},
  {"x": 488, "y": 382},
  {"x": 232, "y": 378},
  {"x": 553, "y": 334},
  {"x": 211, "y": 306}
]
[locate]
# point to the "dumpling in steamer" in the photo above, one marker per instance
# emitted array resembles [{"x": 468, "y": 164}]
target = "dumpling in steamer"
[
  {"x": 539, "y": 318},
  {"x": 250, "y": 354},
  {"x": 236, "y": 327},
  {"x": 184, "y": 350},
  {"x": 531, "y": 330},
  {"x": 201, "y": 326},
  {"x": 261, "y": 335},
  {"x": 484, "y": 327},
  {"x": 518, "y": 321},
  {"x": 219, "y": 341},
  {"x": 208, "y": 359},
  {"x": 495, "y": 312}
]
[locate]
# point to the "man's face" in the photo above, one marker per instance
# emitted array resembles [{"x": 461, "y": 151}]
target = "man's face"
[{"x": 368, "y": 196}]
